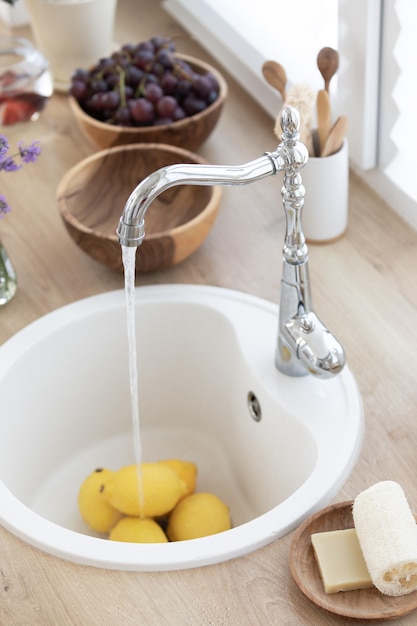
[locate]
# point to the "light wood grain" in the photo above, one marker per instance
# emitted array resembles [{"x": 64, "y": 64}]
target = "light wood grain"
[{"x": 363, "y": 288}]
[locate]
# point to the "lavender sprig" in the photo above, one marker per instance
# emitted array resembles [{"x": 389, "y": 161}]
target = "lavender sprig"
[{"x": 8, "y": 163}]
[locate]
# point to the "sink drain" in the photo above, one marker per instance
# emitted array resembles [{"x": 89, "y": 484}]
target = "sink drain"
[{"x": 254, "y": 407}]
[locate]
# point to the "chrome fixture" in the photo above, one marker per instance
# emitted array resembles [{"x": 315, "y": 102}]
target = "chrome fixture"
[{"x": 305, "y": 345}]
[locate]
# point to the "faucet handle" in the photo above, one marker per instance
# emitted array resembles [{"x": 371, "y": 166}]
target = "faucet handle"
[{"x": 319, "y": 350}]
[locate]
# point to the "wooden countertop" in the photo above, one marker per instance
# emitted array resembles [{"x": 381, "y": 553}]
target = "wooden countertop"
[{"x": 363, "y": 287}]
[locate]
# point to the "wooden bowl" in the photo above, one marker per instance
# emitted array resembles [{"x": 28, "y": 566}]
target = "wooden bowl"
[
  {"x": 363, "y": 605},
  {"x": 189, "y": 133},
  {"x": 91, "y": 197}
]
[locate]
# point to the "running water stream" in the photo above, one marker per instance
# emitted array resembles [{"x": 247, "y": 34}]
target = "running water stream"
[{"x": 129, "y": 258}]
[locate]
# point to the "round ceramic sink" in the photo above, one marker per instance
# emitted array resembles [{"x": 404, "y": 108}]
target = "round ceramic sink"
[{"x": 274, "y": 448}]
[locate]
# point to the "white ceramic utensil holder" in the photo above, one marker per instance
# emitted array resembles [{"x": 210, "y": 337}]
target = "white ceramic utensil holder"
[{"x": 326, "y": 183}]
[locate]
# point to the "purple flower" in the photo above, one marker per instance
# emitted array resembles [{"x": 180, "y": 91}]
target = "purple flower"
[
  {"x": 8, "y": 163},
  {"x": 4, "y": 207},
  {"x": 30, "y": 153},
  {"x": 4, "y": 146}
]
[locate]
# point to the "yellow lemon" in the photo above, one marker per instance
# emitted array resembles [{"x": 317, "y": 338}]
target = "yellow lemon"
[
  {"x": 138, "y": 530},
  {"x": 93, "y": 506},
  {"x": 186, "y": 470},
  {"x": 161, "y": 490},
  {"x": 198, "y": 515}
]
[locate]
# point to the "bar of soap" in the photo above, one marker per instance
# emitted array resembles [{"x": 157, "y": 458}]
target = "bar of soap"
[
  {"x": 340, "y": 561},
  {"x": 387, "y": 534}
]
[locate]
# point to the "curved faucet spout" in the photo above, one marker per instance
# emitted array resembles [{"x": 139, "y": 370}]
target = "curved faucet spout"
[
  {"x": 131, "y": 229},
  {"x": 304, "y": 343}
]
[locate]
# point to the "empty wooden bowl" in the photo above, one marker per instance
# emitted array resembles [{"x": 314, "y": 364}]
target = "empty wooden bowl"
[
  {"x": 91, "y": 197},
  {"x": 189, "y": 133}
]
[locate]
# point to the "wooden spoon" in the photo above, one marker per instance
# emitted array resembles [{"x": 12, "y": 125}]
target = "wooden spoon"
[
  {"x": 324, "y": 119},
  {"x": 328, "y": 63},
  {"x": 336, "y": 136},
  {"x": 276, "y": 76}
]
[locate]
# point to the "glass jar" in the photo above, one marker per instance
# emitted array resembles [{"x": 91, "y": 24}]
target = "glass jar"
[
  {"x": 8, "y": 281},
  {"x": 25, "y": 81}
]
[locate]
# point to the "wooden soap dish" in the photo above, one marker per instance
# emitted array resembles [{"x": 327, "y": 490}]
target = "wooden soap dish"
[{"x": 364, "y": 604}]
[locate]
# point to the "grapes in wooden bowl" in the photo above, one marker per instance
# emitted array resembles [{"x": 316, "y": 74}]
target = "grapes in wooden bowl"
[{"x": 148, "y": 93}]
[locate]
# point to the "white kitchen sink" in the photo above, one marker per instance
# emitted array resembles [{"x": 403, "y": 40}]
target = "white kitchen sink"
[{"x": 273, "y": 447}]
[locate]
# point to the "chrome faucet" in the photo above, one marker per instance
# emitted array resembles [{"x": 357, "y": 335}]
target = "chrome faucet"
[{"x": 304, "y": 345}]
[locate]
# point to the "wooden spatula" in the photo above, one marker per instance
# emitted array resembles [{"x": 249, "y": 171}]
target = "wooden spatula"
[{"x": 336, "y": 136}]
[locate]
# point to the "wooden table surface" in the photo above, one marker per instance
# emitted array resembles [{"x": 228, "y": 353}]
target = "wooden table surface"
[{"x": 364, "y": 288}]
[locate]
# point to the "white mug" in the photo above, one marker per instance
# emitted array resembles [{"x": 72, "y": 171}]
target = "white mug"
[
  {"x": 326, "y": 182},
  {"x": 72, "y": 34}
]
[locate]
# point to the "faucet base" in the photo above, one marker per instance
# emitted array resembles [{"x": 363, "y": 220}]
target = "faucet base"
[
  {"x": 311, "y": 348},
  {"x": 286, "y": 362}
]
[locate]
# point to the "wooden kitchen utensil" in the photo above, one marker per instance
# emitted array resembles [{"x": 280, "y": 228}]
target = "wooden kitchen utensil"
[
  {"x": 336, "y": 136},
  {"x": 324, "y": 119},
  {"x": 276, "y": 76},
  {"x": 328, "y": 64}
]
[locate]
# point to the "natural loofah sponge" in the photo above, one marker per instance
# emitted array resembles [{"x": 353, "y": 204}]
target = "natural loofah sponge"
[
  {"x": 303, "y": 98},
  {"x": 387, "y": 534}
]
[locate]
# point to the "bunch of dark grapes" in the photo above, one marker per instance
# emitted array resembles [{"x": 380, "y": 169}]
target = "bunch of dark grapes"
[{"x": 143, "y": 85}]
